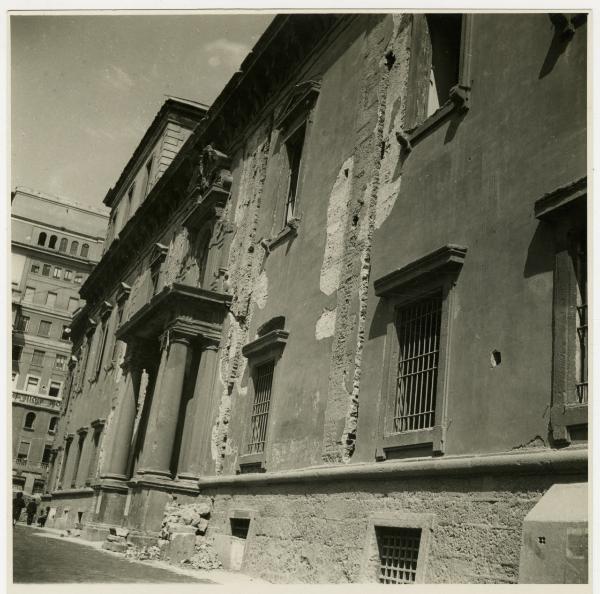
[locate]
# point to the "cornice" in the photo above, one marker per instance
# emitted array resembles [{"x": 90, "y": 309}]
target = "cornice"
[
  {"x": 74, "y": 261},
  {"x": 276, "y": 339},
  {"x": 553, "y": 204}
]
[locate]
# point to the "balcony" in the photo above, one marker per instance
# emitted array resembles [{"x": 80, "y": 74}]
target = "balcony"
[{"x": 36, "y": 401}]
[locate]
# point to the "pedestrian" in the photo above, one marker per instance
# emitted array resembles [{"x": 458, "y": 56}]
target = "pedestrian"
[
  {"x": 42, "y": 519},
  {"x": 18, "y": 505},
  {"x": 31, "y": 509}
]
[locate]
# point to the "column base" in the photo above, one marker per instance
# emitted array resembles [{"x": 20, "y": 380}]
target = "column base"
[
  {"x": 155, "y": 473},
  {"x": 187, "y": 481}
]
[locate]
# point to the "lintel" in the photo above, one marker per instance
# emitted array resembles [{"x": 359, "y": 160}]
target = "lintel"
[{"x": 271, "y": 340}]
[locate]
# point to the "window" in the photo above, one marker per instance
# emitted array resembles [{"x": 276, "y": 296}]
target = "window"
[
  {"x": 128, "y": 204},
  {"x": 80, "y": 442},
  {"x": 398, "y": 554},
  {"x": 154, "y": 277},
  {"x": 44, "y": 328},
  {"x": 263, "y": 355},
  {"x": 23, "y": 452},
  {"x": 53, "y": 425},
  {"x": 37, "y": 359},
  {"x": 35, "y": 268},
  {"x": 563, "y": 212},
  {"x": 54, "y": 390},
  {"x": 147, "y": 178},
  {"x": 46, "y": 270},
  {"x": 42, "y": 239},
  {"x": 62, "y": 246},
  {"x": 29, "y": 293},
  {"x": 102, "y": 346},
  {"x": 50, "y": 299},
  {"x": 78, "y": 278},
  {"x": 73, "y": 303},
  {"x": 52, "y": 242},
  {"x": 57, "y": 272},
  {"x": 417, "y": 301},
  {"x": 29, "y": 421},
  {"x": 22, "y": 323},
  {"x": 68, "y": 275},
  {"x": 439, "y": 70},
  {"x": 74, "y": 248},
  {"x": 47, "y": 455},
  {"x": 66, "y": 333},
  {"x": 263, "y": 384},
  {"x": 32, "y": 384},
  {"x": 293, "y": 146},
  {"x": 85, "y": 248},
  {"x": 240, "y": 527},
  {"x": 17, "y": 350},
  {"x": 60, "y": 362}
]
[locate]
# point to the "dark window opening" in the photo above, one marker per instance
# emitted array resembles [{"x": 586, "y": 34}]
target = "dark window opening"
[
  {"x": 47, "y": 454},
  {"x": 398, "y": 554},
  {"x": 44, "y": 329},
  {"x": 46, "y": 270},
  {"x": 29, "y": 421},
  {"x": 74, "y": 248},
  {"x": 581, "y": 356},
  {"x": 42, "y": 239},
  {"x": 445, "y": 36},
  {"x": 52, "y": 242},
  {"x": 263, "y": 381},
  {"x": 240, "y": 527},
  {"x": 294, "y": 145},
  {"x": 154, "y": 276},
  {"x": 53, "y": 425},
  {"x": 418, "y": 328},
  {"x": 62, "y": 246},
  {"x": 85, "y": 248}
]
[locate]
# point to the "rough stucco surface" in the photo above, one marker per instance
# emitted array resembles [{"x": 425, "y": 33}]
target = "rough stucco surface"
[
  {"x": 319, "y": 534},
  {"x": 325, "y": 326}
]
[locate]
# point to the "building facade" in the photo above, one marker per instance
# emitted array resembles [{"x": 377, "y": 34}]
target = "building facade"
[
  {"x": 350, "y": 316},
  {"x": 54, "y": 246}
]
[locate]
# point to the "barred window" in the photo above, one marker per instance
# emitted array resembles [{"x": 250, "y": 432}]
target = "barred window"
[
  {"x": 418, "y": 329},
  {"x": 263, "y": 382},
  {"x": 398, "y": 554}
]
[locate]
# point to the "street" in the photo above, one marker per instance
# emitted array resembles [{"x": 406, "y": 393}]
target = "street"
[{"x": 40, "y": 558}]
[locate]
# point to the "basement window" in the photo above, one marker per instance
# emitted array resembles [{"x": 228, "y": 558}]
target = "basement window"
[
  {"x": 398, "y": 554},
  {"x": 240, "y": 527}
]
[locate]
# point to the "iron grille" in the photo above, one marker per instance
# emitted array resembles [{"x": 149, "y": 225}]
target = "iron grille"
[
  {"x": 263, "y": 381},
  {"x": 582, "y": 322},
  {"x": 398, "y": 554},
  {"x": 418, "y": 327}
]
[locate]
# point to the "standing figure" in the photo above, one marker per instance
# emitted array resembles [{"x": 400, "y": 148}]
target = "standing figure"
[
  {"x": 42, "y": 519},
  {"x": 31, "y": 509},
  {"x": 18, "y": 505}
]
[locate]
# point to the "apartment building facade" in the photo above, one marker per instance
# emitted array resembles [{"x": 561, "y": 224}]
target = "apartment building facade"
[
  {"x": 54, "y": 246},
  {"x": 350, "y": 318}
]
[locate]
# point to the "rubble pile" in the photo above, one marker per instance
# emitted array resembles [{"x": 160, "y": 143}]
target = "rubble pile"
[
  {"x": 185, "y": 519},
  {"x": 116, "y": 540},
  {"x": 142, "y": 553}
]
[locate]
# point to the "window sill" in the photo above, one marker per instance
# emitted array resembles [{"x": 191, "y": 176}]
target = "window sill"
[
  {"x": 251, "y": 460},
  {"x": 436, "y": 436},
  {"x": 457, "y": 103},
  {"x": 289, "y": 231}
]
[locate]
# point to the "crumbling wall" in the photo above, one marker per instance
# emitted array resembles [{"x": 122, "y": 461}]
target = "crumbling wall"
[
  {"x": 245, "y": 264},
  {"x": 363, "y": 202}
]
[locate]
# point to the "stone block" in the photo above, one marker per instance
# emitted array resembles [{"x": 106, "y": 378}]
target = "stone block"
[
  {"x": 202, "y": 525},
  {"x": 124, "y": 532},
  {"x": 182, "y": 529},
  {"x": 114, "y": 538},
  {"x": 117, "y": 547},
  {"x": 180, "y": 547},
  {"x": 230, "y": 551}
]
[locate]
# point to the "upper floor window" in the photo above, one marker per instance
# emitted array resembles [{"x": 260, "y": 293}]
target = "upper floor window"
[
  {"x": 42, "y": 238},
  {"x": 54, "y": 389},
  {"x": 32, "y": 385},
  {"x": 60, "y": 362},
  {"x": 57, "y": 272},
  {"x": 294, "y": 145},
  {"x": 37, "y": 359},
  {"x": 22, "y": 323},
  {"x": 46, "y": 455},
  {"x": 29, "y": 421},
  {"x": 78, "y": 278},
  {"x": 46, "y": 269},
  {"x": 35, "y": 268},
  {"x": 66, "y": 333},
  {"x": 417, "y": 302},
  {"x": 17, "y": 350},
  {"x": 51, "y": 299},
  {"x": 74, "y": 248},
  {"x": 44, "y": 328},
  {"x": 29, "y": 294},
  {"x": 147, "y": 172},
  {"x": 85, "y": 248},
  {"x": 68, "y": 275},
  {"x": 23, "y": 451},
  {"x": 52, "y": 242},
  {"x": 73, "y": 304},
  {"x": 62, "y": 246},
  {"x": 53, "y": 425}
]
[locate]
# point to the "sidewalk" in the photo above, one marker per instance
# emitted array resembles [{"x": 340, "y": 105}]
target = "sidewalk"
[{"x": 218, "y": 576}]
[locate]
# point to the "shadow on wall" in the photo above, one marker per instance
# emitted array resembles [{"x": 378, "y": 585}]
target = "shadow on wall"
[{"x": 540, "y": 254}]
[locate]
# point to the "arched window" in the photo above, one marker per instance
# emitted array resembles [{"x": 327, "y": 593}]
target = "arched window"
[
  {"x": 53, "y": 425},
  {"x": 52, "y": 242},
  {"x": 85, "y": 248},
  {"x": 74, "y": 248},
  {"x": 63, "y": 245},
  {"x": 29, "y": 420},
  {"x": 42, "y": 239}
]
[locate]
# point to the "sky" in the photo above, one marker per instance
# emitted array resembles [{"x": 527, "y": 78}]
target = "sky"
[{"x": 84, "y": 88}]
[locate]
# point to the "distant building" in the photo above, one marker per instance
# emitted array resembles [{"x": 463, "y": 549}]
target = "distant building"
[
  {"x": 343, "y": 336},
  {"x": 54, "y": 246}
]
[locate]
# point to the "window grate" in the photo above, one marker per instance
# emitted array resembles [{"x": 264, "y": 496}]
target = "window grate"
[
  {"x": 418, "y": 327},
  {"x": 398, "y": 554},
  {"x": 263, "y": 381},
  {"x": 582, "y": 322}
]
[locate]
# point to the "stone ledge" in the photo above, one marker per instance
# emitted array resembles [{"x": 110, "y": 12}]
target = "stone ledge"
[
  {"x": 72, "y": 492},
  {"x": 566, "y": 461}
]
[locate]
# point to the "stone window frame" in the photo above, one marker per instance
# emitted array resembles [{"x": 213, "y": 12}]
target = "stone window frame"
[
  {"x": 423, "y": 521},
  {"x": 295, "y": 114},
  {"x": 39, "y": 379},
  {"x": 460, "y": 94},
  {"x": 121, "y": 298},
  {"x": 60, "y": 387},
  {"x": 266, "y": 348},
  {"x": 157, "y": 257},
  {"x": 430, "y": 274},
  {"x": 564, "y": 210},
  {"x": 100, "y": 351}
]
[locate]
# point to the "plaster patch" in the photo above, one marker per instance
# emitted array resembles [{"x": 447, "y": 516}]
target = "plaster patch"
[
  {"x": 337, "y": 213},
  {"x": 261, "y": 290},
  {"x": 325, "y": 324}
]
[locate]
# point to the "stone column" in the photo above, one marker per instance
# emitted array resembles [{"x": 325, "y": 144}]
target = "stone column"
[
  {"x": 116, "y": 464},
  {"x": 198, "y": 423},
  {"x": 164, "y": 409}
]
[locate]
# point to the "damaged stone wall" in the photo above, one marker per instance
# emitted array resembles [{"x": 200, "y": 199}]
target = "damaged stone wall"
[
  {"x": 361, "y": 199},
  {"x": 244, "y": 265}
]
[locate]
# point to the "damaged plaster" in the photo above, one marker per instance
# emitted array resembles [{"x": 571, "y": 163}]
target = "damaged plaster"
[{"x": 325, "y": 326}]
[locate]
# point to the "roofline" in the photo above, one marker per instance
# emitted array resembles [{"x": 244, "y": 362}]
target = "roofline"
[
  {"x": 170, "y": 105},
  {"x": 99, "y": 211}
]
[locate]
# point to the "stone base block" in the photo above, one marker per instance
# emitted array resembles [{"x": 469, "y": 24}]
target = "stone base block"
[
  {"x": 180, "y": 547},
  {"x": 117, "y": 547},
  {"x": 230, "y": 550}
]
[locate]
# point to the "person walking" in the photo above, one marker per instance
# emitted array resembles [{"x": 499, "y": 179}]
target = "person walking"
[
  {"x": 31, "y": 509},
  {"x": 18, "y": 505},
  {"x": 43, "y": 518}
]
